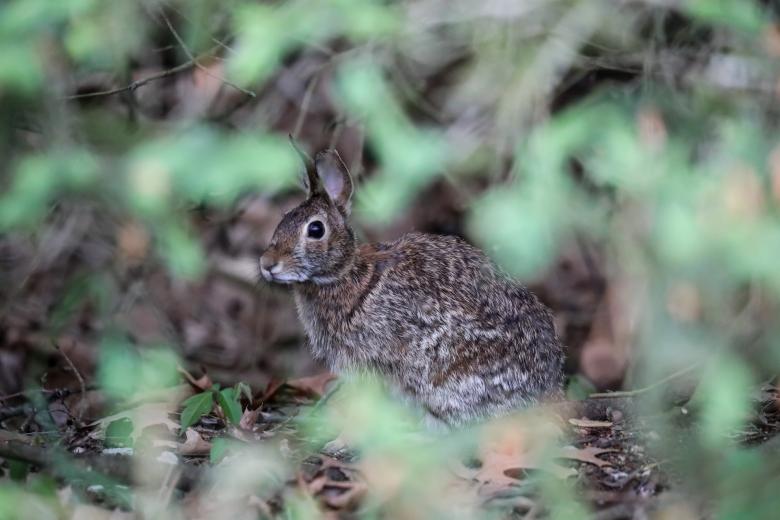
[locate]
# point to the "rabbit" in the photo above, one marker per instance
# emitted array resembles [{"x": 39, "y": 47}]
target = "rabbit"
[{"x": 431, "y": 314}]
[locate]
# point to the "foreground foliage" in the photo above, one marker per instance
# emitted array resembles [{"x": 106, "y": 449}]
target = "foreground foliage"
[{"x": 641, "y": 135}]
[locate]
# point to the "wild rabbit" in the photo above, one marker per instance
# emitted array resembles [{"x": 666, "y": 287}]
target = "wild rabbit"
[{"x": 430, "y": 313}]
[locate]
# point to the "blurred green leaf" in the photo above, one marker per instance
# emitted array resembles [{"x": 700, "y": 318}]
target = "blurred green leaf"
[
  {"x": 124, "y": 371},
  {"x": 410, "y": 157},
  {"x": 118, "y": 369},
  {"x": 18, "y": 470},
  {"x": 219, "y": 448},
  {"x": 119, "y": 433},
  {"x": 20, "y": 69},
  {"x": 79, "y": 290},
  {"x": 520, "y": 235},
  {"x": 158, "y": 368},
  {"x": 37, "y": 178},
  {"x": 196, "y": 407},
  {"x": 724, "y": 394},
  {"x": 228, "y": 401},
  {"x": 184, "y": 255},
  {"x": 742, "y": 15},
  {"x": 579, "y": 388},
  {"x": 244, "y": 389}
]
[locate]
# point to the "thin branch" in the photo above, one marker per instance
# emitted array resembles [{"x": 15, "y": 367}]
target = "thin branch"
[
  {"x": 110, "y": 470},
  {"x": 639, "y": 391},
  {"x": 59, "y": 394},
  {"x": 197, "y": 63},
  {"x": 304, "y": 107},
  {"x": 76, "y": 371},
  {"x": 141, "y": 82}
]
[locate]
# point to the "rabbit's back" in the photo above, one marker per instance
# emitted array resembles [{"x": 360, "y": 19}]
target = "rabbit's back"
[{"x": 434, "y": 314}]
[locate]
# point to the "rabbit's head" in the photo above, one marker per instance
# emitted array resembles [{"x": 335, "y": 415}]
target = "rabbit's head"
[{"x": 313, "y": 242}]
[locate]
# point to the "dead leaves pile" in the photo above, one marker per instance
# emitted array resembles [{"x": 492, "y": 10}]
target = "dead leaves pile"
[
  {"x": 509, "y": 450},
  {"x": 513, "y": 449},
  {"x": 336, "y": 484}
]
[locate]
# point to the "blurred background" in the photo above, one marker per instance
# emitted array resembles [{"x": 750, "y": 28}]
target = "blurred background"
[{"x": 620, "y": 157}]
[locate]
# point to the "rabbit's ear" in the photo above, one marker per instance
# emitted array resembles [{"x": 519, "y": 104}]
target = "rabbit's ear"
[
  {"x": 335, "y": 179},
  {"x": 311, "y": 182}
]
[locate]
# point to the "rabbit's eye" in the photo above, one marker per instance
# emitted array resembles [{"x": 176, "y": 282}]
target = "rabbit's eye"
[{"x": 316, "y": 229}]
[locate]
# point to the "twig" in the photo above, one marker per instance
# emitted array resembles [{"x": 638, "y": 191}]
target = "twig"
[
  {"x": 639, "y": 391},
  {"x": 304, "y": 108},
  {"x": 53, "y": 395},
  {"x": 106, "y": 469},
  {"x": 15, "y": 411},
  {"x": 76, "y": 371},
  {"x": 197, "y": 63},
  {"x": 143, "y": 81}
]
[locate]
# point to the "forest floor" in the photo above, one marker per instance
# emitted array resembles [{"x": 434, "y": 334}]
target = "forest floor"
[{"x": 606, "y": 455}]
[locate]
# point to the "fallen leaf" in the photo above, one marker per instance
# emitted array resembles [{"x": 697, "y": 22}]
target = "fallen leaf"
[
  {"x": 501, "y": 471},
  {"x": 338, "y": 494},
  {"x": 354, "y": 492},
  {"x": 589, "y": 455},
  {"x": 248, "y": 419},
  {"x": 142, "y": 416},
  {"x": 314, "y": 385},
  {"x": 133, "y": 243},
  {"x": 6, "y": 436},
  {"x": 165, "y": 443},
  {"x": 271, "y": 388},
  {"x": 511, "y": 448},
  {"x": 261, "y": 505},
  {"x": 589, "y": 423},
  {"x": 194, "y": 444},
  {"x": 201, "y": 384}
]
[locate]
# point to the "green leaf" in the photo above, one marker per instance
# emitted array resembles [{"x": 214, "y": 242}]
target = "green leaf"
[
  {"x": 119, "y": 433},
  {"x": 579, "y": 388},
  {"x": 18, "y": 470},
  {"x": 243, "y": 389},
  {"x": 125, "y": 370},
  {"x": 196, "y": 407},
  {"x": 741, "y": 15},
  {"x": 119, "y": 368},
  {"x": 219, "y": 448},
  {"x": 181, "y": 250},
  {"x": 228, "y": 401},
  {"x": 724, "y": 395}
]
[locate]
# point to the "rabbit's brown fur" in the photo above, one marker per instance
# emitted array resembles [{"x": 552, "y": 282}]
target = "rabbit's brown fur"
[{"x": 431, "y": 313}]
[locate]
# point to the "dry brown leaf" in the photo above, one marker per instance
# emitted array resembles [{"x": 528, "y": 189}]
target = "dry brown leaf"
[
  {"x": 338, "y": 494},
  {"x": 316, "y": 485},
  {"x": 143, "y": 416},
  {"x": 314, "y": 385},
  {"x": 261, "y": 505},
  {"x": 500, "y": 471},
  {"x": 271, "y": 388},
  {"x": 349, "y": 498},
  {"x": 165, "y": 443},
  {"x": 248, "y": 419},
  {"x": 201, "y": 384},
  {"x": 512, "y": 447},
  {"x": 589, "y": 455},
  {"x": 590, "y": 423},
  {"x": 194, "y": 444},
  {"x": 133, "y": 242},
  {"x": 6, "y": 436}
]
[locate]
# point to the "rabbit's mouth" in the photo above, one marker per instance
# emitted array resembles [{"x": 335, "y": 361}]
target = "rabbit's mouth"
[
  {"x": 278, "y": 270},
  {"x": 282, "y": 277}
]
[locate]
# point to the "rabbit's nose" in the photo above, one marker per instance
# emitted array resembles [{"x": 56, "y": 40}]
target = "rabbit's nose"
[{"x": 269, "y": 266}]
